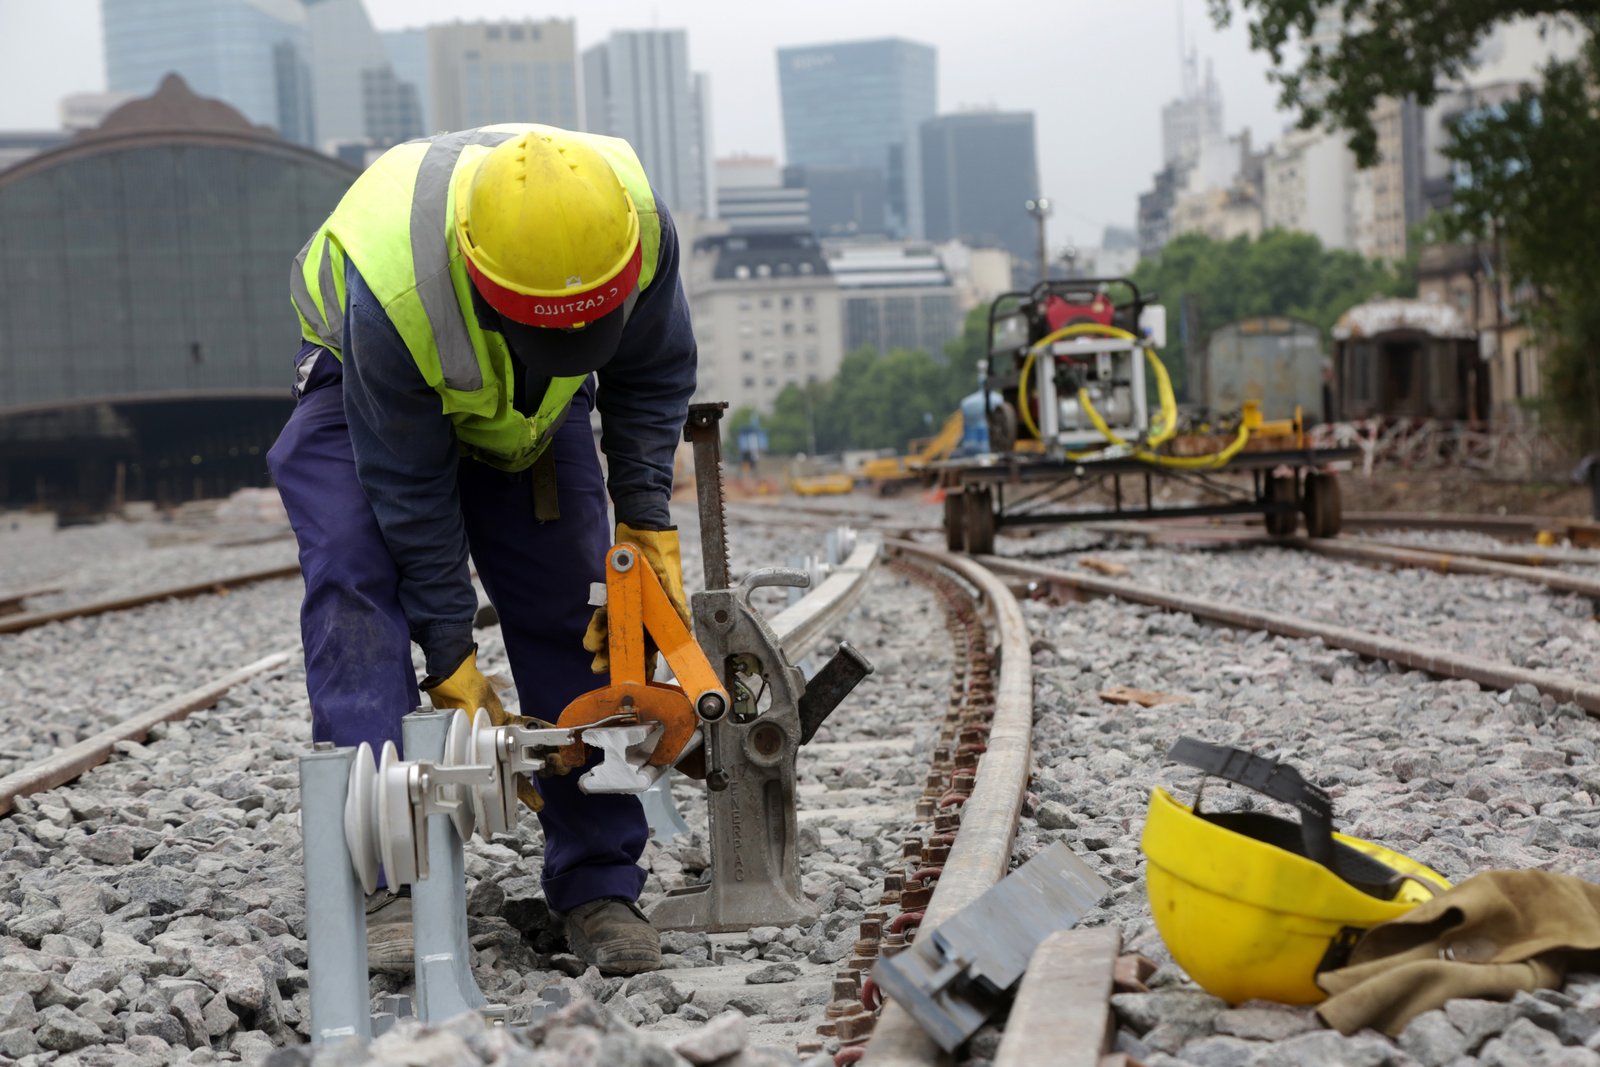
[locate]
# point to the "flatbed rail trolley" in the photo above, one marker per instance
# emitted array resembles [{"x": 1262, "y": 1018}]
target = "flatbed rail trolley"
[{"x": 1067, "y": 412}]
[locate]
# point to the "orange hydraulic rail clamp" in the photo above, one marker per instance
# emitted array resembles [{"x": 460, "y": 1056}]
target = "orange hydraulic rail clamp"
[{"x": 637, "y": 608}]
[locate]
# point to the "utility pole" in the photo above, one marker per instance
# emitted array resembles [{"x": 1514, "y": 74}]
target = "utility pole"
[{"x": 1040, "y": 210}]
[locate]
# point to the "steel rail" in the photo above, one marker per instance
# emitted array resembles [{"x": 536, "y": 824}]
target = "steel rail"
[
  {"x": 1522, "y": 557},
  {"x": 11, "y": 624},
  {"x": 1062, "y": 1016},
  {"x": 802, "y": 624},
  {"x": 1578, "y": 531},
  {"x": 1445, "y": 562},
  {"x": 11, "y": 600},
  {"x": 1436, "y": 661},
  {"x": 64, "y": 766},
  {"x": 981, "y": 853}
]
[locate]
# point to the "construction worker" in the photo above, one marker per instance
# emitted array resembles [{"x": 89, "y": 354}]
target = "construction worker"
[{"x": 456, "y": 309}]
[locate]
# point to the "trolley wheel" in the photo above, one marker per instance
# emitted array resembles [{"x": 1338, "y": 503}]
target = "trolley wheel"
[
  {"x": 1281, "y": 490},
  {"x": 1002, "y": 428},
  {"x": 955, "y": 519},
  {"x": 1323, "y": 505},
  {"x": 980, "y": 524}
]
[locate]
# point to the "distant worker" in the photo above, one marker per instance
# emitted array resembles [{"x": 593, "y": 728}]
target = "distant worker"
[{"x": 455, "y": 308}]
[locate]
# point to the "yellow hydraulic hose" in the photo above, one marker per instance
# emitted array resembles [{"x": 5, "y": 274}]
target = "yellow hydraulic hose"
[{"x": 1167, "y": 425}]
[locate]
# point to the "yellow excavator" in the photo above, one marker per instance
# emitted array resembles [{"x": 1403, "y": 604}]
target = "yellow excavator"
[{"x": 892, "y": 474}]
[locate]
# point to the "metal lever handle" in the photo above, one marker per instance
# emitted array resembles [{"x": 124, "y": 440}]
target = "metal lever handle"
[
  {"x": 828, "y": 688},
  {"x": 771, "y": 576},
  {"x": 716, "y": 776}
]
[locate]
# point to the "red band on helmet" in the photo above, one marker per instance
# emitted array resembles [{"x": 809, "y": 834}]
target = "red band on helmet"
[{"x": 560, "y": 312}]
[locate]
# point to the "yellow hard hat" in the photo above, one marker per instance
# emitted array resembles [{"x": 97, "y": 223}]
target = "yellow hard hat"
[
  {"x": 550, "y": 234},
  {"x": 1254, "y": 906}
]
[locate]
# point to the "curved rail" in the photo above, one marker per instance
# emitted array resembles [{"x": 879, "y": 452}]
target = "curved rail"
[{"x": 981, "y": 852}]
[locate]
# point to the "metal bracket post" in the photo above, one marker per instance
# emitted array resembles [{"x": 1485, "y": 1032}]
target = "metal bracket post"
[
  {"x": 661, "y": 811},
  {"x": 336, "y": 907},
  {"x": 754, "y": 831},
  {"x": 445, "y": 984}
]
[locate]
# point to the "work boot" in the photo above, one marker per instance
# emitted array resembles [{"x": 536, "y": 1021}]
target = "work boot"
[
  {"x": 389, "y": 936},
  {"x": 613, "y": 935}
]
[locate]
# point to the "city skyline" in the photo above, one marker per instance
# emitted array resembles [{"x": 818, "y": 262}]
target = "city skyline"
[{"x": 1093, "y": 156}]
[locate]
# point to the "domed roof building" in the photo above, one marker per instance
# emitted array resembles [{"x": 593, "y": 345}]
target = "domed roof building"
[{"x": 146, "y": 335}]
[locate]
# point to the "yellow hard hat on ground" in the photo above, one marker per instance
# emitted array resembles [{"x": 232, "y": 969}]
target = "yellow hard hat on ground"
[
  {"x": 550, "y": 237},
  {"x": 1254, "y": 906}
]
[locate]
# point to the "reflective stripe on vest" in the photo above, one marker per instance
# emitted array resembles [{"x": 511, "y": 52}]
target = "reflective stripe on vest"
[{"x": 418, "y": 275}]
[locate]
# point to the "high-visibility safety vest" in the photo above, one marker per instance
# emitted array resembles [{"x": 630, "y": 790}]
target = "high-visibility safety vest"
[{"x": 396, "y": 225}]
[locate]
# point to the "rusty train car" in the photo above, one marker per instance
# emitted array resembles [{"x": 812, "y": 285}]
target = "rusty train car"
[
  {"x": 1408, "y": 359},
  {"x": 1279, "y": 362}
]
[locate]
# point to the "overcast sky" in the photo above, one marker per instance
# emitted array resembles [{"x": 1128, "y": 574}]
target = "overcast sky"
[{"x": 1095, "y": 74}]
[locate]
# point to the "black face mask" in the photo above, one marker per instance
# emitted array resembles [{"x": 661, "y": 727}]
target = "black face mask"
[{"x": 539, "y": 353}]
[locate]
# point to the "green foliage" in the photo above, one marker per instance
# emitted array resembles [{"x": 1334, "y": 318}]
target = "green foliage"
[
  {"x": 1391, "y": 48},
  {"x": 1528, "y": 167},
  {"x": 1282, "y": 273},
  {"x": 732, "y": 423},
  {"x": 1526, "y": 172},
  {"x": 879, "y": 401}
]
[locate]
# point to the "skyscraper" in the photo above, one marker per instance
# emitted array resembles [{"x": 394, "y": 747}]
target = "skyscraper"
[
  {"x": 408, "y": 54},
  {"x": 637, "y": 85},
  {"x": 978, "y": 169},
  {"x": 859, "y": 104},
  {"x": 1194, "y": 119},
  {"x": 487, "y": 72},
  {"x": 252, "y": 54},
  {"x": 358, "y": 97}
]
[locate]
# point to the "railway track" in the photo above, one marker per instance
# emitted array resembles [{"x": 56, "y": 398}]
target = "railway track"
[{"x": 873, "y": 830}]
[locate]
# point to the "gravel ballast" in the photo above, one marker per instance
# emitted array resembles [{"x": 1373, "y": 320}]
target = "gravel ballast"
[
  {"x": 153, "y": 912},
  {"x": 1457, "y": 777}
]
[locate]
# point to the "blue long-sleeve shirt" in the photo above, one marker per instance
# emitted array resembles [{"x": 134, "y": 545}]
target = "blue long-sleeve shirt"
[{"x": 406, "y": 455}]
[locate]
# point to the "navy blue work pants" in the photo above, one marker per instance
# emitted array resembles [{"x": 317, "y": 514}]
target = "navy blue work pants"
[{"x": 537, "y": 574}]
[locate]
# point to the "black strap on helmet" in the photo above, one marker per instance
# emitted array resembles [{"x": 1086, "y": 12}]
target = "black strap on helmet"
[
  {"x": 1312, "y": 837},
  {"x": 1269, "y": 778}
]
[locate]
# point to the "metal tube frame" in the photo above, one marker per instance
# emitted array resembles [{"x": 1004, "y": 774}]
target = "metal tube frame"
[{"x": 336, "y": 911}]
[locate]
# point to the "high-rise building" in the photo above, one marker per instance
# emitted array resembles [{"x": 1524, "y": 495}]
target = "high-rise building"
[
  {"x": 358, "y": 97},
  {"x": 1308, "y": 186},
  {"x": 637, "y": 85},
  {"x": 252, "y": 54},
  {"x": 488, "y": 72},
  {"x": 895, "y": 295},
  {"x": 766, "y": 315},
  {"x": 1387, "y": 196},
  {"x": 1193, "y": 119},
  {"x": 859, "y": 104},
  {"x": 752, "y": 198},
  {"x": 978, "y": 170},
  {"x": 408, "y": 55},
  {"x": 845, "y": 201}
]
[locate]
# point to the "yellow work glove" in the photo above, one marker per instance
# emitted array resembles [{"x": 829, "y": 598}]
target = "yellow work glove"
[
  {"x": 660, "y": 550},
  {"x": 469, "y": 690}
]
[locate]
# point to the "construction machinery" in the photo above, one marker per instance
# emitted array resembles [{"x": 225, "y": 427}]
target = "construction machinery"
[
  {"x": 1077, "y": 400},
  {"x": 892, "y": 474}
]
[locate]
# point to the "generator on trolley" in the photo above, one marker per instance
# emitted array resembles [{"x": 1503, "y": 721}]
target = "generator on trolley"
[{"x": 1076, "y": 399}]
